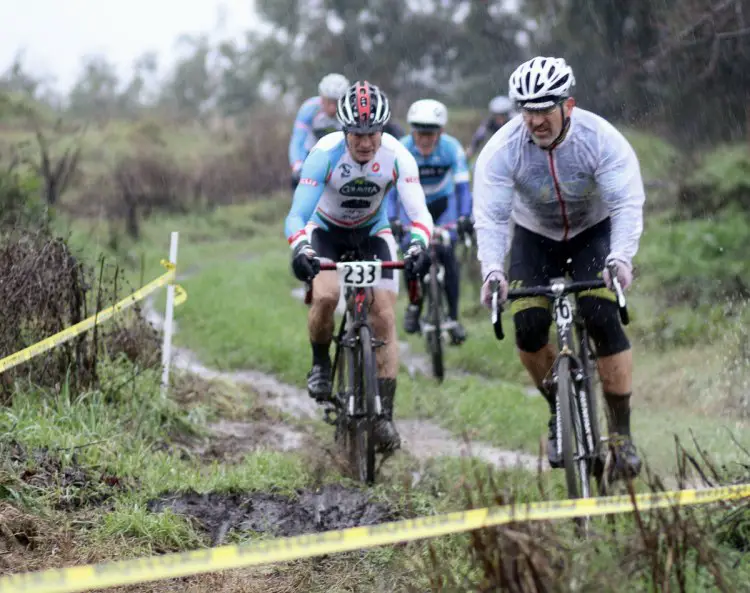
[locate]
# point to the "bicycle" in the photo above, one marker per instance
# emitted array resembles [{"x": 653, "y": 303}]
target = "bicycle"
[
  {"x": 435, "y": 325},
  {"x": 355, "y": 404},
  {"x": 579, "y": 439}
]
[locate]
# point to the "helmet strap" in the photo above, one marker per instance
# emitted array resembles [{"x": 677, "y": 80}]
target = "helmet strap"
[{"x": 563, "y": 132}]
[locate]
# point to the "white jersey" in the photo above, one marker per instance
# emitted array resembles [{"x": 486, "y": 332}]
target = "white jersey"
[
  {"x": 336, "y": 191},
  {"x": 591, "y": 175}
]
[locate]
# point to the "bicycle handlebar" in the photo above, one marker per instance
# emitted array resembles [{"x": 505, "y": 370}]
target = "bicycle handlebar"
[
  {"x": 386, "y": 265},
  {"x": 552, "y": 291}
]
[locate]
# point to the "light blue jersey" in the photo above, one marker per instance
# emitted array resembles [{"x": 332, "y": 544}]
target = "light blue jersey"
[
  {"x": 311, "y": 124},
  {"x": 337, "y": 192},
  {"x": 444, "y": 176}
]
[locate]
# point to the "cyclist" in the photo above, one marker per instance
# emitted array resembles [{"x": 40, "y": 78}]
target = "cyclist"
[
  {"x": 315, "y": 118},
  {"x": 338, "y": 206},
  {"x": 501, "y": 111},
  {"x": 572, "y": 185},
  {"x": 444, "y": 175}
]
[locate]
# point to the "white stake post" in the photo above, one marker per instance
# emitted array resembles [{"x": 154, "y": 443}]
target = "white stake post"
[{"x": 166, "y": 349}]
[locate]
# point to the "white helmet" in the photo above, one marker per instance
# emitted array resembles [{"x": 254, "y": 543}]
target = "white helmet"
[
  {"x": 541, "y": 82},
  {"x": 332, "y": 86},
  {"x": 501, "y": 105},
  {"x": 427, "y": 113}
]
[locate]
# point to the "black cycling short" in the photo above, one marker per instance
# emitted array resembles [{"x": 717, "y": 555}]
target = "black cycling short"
[
  {"x": 535, "y": 259},
  {"x": 336, "y": 242}
]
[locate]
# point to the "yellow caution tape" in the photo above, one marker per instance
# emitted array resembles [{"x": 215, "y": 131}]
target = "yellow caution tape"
[
  {"x": 71, "y": 332},
  {"x": 141, "y": 570}
]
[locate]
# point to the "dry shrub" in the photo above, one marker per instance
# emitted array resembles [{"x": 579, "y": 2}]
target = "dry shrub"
[
  {"x": 137, "y": 339},
  {"x": 259, "y": 165},
  {"x": 145, "y": 184},
  {"x": 43, "y": 290}
]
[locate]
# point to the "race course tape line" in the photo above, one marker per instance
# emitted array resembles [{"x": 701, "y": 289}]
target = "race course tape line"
[
  {"x": 71, "y": 332},
  {"x": 141, "y": 570}
]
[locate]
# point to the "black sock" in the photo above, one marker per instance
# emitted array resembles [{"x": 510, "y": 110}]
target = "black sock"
[
  {"x": 618, "y": 412},
  {"x": 551, "y": 397},
  {"x": 320, "y": 354}
]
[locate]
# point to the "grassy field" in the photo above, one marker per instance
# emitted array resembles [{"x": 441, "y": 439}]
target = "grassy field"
[{"x": 92, "y": 476}]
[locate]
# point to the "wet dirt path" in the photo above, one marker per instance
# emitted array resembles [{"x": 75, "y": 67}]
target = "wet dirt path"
[{"x": 421, "y": 438}]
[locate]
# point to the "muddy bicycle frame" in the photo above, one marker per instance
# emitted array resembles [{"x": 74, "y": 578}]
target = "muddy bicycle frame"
[
  {"x": 578, "y": 437},
  {"x": 356, "y": 398}
]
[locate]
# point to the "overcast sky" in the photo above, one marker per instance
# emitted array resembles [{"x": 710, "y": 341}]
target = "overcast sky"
[{"x": 55, "y": 34}]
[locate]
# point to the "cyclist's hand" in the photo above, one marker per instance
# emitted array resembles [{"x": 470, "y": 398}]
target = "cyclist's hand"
[
  {"x": 464, "y": 226},
  {"x": 397, "y": 228},
  {"x": 416, "y": 260},
  {"x": 487, "y": 292},
  {"x": 624, "y": 274},
  {"x": 305, "y": 264}
]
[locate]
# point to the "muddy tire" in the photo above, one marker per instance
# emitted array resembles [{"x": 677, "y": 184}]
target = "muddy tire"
[
  {"x": 434, "y": 339},
  {"x": 368, "y": 389}
]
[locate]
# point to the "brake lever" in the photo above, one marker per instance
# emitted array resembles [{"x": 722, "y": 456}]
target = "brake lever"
[
  {"x": 497, "y": 309},
  {"x": 620, "y": 295}
]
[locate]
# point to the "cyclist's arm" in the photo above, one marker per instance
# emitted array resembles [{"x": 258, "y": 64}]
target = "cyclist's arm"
[
  {"x": 392, "y": 204},
  {"x": 493, "y": 200},
  {"x": 620, "y": 184},
  {"x": 312, "y": 183},
  {"x": 411, "y": 195},
  {"x": 461, "y": 179},
  {"x": 301, "y": 131}
]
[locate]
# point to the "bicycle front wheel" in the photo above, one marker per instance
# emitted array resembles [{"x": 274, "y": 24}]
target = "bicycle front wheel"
[
  {"x": 366, "y": 395},
  {"x": 434, "y": 338},
  {"x": 570, "y": 430}
]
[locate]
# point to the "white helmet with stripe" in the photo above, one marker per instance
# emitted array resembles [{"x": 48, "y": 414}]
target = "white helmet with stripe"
[
  {"x": 541, "y": 83},
  {"x": 363, "y": 109}
]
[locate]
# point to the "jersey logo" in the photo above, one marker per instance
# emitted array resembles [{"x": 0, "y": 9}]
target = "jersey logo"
[
  {"x": 364, "y": 204},
  {"x": 346, "y": 169},
  {"x": 308, "y": 181},
  {"x": 359, "y": 188},
  {"x": 433, "y": 171},
  {"x": 376, "y": 167}
]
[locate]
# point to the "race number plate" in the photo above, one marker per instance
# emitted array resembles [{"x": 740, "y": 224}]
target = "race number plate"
[{"x": 359, "y": 273}]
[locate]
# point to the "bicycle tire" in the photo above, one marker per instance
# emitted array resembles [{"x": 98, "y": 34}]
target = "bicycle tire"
[
  {"x": 355, "y": 444},
  {"x": 434, "y": 339},
  {"x": 565, "y": 412},
  {"x": 369, "y": 391}
]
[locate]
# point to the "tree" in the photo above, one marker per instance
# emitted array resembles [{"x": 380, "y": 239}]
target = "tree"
[{"x": 95, "y": 94}]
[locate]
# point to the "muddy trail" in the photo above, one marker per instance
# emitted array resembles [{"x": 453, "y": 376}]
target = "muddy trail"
[
  {"x": 328, "y": 508},
  {"x": 421, "y": 438}
]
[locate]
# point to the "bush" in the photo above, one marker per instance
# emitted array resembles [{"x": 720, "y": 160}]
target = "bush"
[
  {"x": 697, "y": 261},
  {"x": 720, "y": 180}
]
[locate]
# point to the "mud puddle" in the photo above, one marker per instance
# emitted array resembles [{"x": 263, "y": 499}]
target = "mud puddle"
[
  {"x": 231, "y": 440},
  {"x": 331, "y": 507}
]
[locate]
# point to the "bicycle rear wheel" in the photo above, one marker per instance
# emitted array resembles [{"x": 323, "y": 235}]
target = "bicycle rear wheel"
[{"x": 434, "y": 314}]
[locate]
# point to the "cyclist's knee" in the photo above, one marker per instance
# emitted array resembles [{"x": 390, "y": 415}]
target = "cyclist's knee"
[
  {"x": 602, "y": 321},
  {"x": 326, "y": 293},
  {"x": 532, "y": 328},
  {"x": 383, "y": 311}
]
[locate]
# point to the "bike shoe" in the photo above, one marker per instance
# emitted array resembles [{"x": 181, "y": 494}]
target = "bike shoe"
[
  {"x": 555, "y": 459},
  {"x": 458, "y": 334},
  {"x": 627, "y": 462},
  {"x": 319, "y": 385},
  {"x": 411, "y": 319},
  {"x": 386, "y": 435}
]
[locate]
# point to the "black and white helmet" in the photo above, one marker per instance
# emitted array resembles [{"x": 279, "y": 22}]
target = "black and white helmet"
[
  {"x": 541, "y": 83},
  {"x": 363, "y": 109}
]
